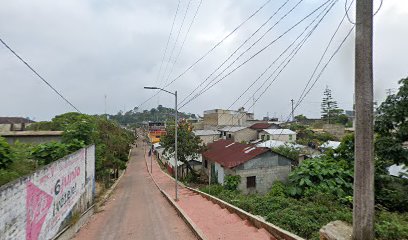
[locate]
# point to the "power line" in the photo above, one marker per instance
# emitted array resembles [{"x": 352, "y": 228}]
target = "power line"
[
  {"x": 239, "y": 47},
  {"x": 291, "y": 55},
  {"x": 38, "y": 75},
  {"x": 253, "y": 56},
  {"x": 178, "y": 35},
  {"x": 325, "y": 51},
  {"x": 168, "y": 41},
  {"x": 209, "y": 51},
  {"x": 325, "y": 11},
  {"x": 324, "y": 68},
  {"x": 184, "y": 40}
]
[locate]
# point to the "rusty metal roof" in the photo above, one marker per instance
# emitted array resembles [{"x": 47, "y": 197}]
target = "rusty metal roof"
[
  {"x": 14, "y": 120},
  {"x": 231, "y": 154},
  {"x": 261, "y": 126}
]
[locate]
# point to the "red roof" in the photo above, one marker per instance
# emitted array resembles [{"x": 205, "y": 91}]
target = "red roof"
[
  {"x": 260, "y": 126},
  {"x": 231, "y": 154}
]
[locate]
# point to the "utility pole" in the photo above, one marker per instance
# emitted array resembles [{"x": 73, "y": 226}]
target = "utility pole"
[
  {"x": 293, "y": 111},
  {"x": 106, "y": 115},
  {"x": 363, "y": 200}
]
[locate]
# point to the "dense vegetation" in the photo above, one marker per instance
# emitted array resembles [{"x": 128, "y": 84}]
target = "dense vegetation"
[
  {"x": 135, "y": 117},
  {"x": 112, "y": 146},
  {"x": 320, "y": 190}
]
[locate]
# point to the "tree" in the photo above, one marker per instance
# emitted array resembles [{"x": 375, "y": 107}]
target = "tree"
[
  {"x": 330, "y": 110},
  {"x": 391, "y": 126},
  {"x": 5, "y": 154},
  {"x": 188, "y": 146},
  {"x": 300, "y": 117}
]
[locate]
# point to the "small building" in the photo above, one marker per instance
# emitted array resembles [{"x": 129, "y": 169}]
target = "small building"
[
  {"x": 285, "y": 135},
  {"x": 207, "y": 136},
  {"x": 238, "y": 134},
  {"x": 14, "y": 124},
  {"x": 182, "y": 169},
  {"x": 258, "y": 167},
  {"x": 221, "y": 117},
  {"x": 32, "y": 137}
]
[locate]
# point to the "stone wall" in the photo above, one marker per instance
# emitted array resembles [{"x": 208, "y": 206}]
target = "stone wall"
[{"x": 39, "y": 205}]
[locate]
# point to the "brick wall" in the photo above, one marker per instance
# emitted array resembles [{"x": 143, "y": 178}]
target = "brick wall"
[{"x": 39, "y": 205}]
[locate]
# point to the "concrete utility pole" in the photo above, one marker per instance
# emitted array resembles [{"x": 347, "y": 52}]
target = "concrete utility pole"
[
  {"x": 363, "y": 205},
  {"x": 293, "y": 111}
]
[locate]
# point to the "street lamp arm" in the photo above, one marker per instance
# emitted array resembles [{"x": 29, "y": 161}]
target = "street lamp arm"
[{"x": 161, "y": 89}]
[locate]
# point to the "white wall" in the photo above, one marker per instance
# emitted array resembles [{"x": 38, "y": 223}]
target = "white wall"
[
  {"x": 220, "y": 171},
  {"x": 39, "y": 205}
]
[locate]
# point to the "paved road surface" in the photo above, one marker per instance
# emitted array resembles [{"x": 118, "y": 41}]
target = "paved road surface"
[{"x": 136, "y": 210}]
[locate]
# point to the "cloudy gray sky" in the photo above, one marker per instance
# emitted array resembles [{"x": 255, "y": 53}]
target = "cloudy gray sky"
[{"x": 89, "y": 48}]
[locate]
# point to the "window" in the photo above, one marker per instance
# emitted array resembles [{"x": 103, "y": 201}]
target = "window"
[
  {"x": 268, "y": 137},
  {"x": 263, "y": 137},
  {"x": 205, "y": 164},
  {"x": 251, "y": 182},
  {"x": 290, "y": 137},
  {"x": 229, "y": 136}
]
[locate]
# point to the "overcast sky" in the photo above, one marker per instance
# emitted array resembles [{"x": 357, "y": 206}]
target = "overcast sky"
[{"x": 91, "y": 48}]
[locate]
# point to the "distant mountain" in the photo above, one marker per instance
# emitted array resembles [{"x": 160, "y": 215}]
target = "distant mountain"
[{"x": 155, "y": 114}]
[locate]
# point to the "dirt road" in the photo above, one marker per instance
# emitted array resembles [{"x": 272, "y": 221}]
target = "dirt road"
[{"x": 136, "y": 210}]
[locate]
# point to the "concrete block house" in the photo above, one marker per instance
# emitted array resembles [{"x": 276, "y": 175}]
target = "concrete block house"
[
  {"x": 258, "y": 167},
  {"x": 207, "y": 136},
  {"x": 238, "y": 134},
  {"x": 285, "y": 135}
]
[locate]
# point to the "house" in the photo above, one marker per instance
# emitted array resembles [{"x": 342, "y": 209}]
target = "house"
[
  {"x": 14, "y": 124},
  {"x": 182, "y": 169},
  {"x": 207, "y": 136},
  {"x": 238, "y": 134},
  {"x": 258, "y": 167},
  {"x": 220, "y": 117},
  {"x": 32, "y": 137},
  {"x": 285, "y": 135}
]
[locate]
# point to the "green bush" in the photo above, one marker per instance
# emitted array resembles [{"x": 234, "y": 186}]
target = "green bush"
[
  {"x": 48, "y": 152},
  {"x": 321, "y": 175},
  {"x": 231, "y": 182},
  {"x": 391, "y": 226},
  {"x": 5, "y": 154}
]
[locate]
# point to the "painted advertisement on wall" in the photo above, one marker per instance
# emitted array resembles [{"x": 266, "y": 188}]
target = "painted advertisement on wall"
[{"x": 36, "y": 206}]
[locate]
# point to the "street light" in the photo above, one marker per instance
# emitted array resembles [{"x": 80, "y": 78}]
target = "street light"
[{"x": 175, "y": 132}]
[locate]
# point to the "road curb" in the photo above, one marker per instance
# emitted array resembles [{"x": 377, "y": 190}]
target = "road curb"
[{"x": 197, "y": 231}]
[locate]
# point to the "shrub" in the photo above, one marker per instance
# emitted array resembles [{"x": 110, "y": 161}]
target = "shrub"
[
  {"x": 5, "y": 154},
  {"x": 232, "y": 182}
]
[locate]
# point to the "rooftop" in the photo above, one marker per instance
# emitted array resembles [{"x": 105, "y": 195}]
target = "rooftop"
[
  {"x": 30, "y": 133},
  {"x": 232, "y": 129},
  {"x": 261, "y": 126},
  {"x": 279, "y": 131},
  {"x": 15, "y": 120},
  {"x": 205, "y": 132},
  {"x": 231, "y": 154}
]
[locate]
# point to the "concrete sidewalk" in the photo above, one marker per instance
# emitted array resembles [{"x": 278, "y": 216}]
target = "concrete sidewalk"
[{"x": 213, "y": 221}]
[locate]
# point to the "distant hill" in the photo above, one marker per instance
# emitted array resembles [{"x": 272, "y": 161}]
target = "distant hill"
[{"x": 155, "y": 114}]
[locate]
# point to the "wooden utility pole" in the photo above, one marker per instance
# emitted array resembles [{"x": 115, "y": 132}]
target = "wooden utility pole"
[
  {"x": 293, "y": 111},
  {"x": 363, "y": 206}
]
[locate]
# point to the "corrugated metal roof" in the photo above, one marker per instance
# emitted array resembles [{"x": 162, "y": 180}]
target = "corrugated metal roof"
[
  {"x": 331, "y": 144},
  {"x": 276, "y": 143},
  {"x": 231, "y": 154},
  {"x": 279, "y": 131},
  {"x": 15, "y": 120},
  {"x": 232, "y": 129},
  {"x": 205, "y": 132},
  {"x": 261, "y": 126}
]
